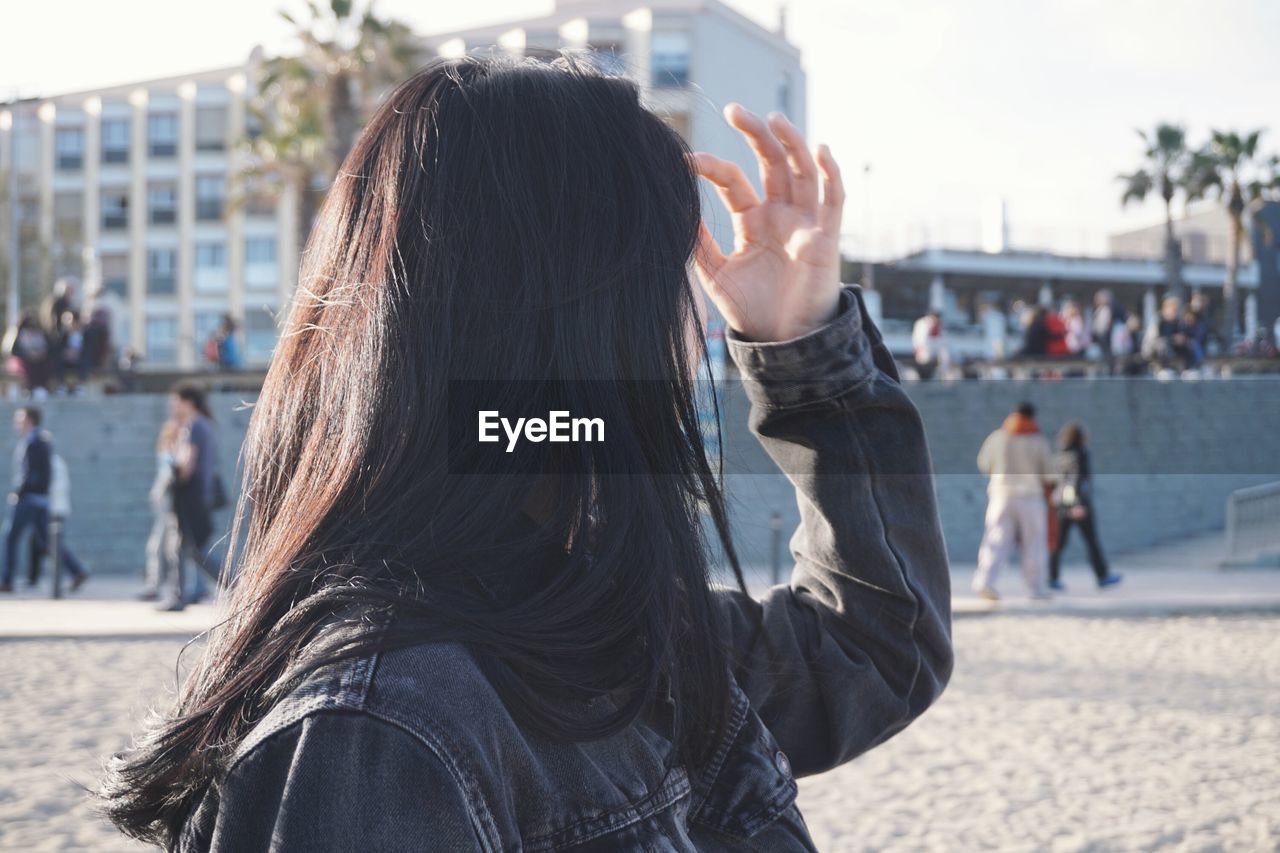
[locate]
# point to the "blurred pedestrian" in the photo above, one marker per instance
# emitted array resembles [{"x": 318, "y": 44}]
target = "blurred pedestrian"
[
  {"x": 57, "y": 310},
  {"x": 928, "y": 344},
  {"x": 1043, "y": 334},
  {"x": 1076, "y": 330},
  {"x": 162, "y": 543},
  {"x": 1106, "y": 316},
  {"x": 1167, "y": 344},
  {"x": 59, "y": 511},
  {"x": 1073, "y": 502},
  {"x": 1018, "y": 460},
  {"x": 228, "y": 345},
  {"x": 195, "y": 495},
  {"x": 32, "y": 479},
  {"x": 26, "y": 346},
  {"x": 103, "y": 313}
]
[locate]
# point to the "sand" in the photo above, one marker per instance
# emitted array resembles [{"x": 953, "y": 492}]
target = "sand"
[{"x": 1057, "y": 733}]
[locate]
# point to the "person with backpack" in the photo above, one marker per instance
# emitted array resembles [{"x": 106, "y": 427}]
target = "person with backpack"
[
  {"x": 32, "y": 499},
  {"x": 27, "y": 348}
]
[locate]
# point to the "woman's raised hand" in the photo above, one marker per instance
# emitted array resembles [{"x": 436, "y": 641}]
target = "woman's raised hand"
[{"x": 783, "y": 278}]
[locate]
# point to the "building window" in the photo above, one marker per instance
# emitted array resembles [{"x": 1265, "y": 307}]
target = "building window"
[
  {"x": 209, "y": 196},
  {"x": 211, "y": 268},
  {"x": 115, "y": 140},
  {"x": 211, "y": 256},
  {"x": 260, "y": 250},
  {"x": 68, "y": 145},
  {"x": 68, "y": 210},
  {"x": 115, "y": 274},
  {"x": 669, "y": 60},
  {"x": 784, "y": 95},
  {"x": 211, "y": 128},
  {"x": 162, "y": 204},
  {"x": 260, "y": 270},
  {"x": 162, "y": 134},
  {"x": 259, "y": 335},
  {"x": 162, "y": 340},
  {"x": 115, "y": 209},
  {"x": 162, "y": 265}
]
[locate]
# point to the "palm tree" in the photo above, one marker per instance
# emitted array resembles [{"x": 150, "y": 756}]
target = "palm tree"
[
  {"x": 1231, "y": 169},
  {"x": 309, "y": 107},
  {"x": 1164, "y": 169}
]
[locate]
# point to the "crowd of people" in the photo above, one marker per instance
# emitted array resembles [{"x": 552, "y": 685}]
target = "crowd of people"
[
  {"x": 56, "y": 348},
  {"x": 1176, "y": 340}
]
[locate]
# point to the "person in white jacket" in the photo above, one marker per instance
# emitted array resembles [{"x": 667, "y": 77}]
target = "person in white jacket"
[{"x": 1019, "y": 461}]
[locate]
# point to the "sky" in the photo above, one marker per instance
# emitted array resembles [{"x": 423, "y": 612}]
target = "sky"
[{"x": 954, "y": 106}]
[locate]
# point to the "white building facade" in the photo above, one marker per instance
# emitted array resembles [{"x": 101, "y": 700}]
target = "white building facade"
[
  {"x": 689, "y": 57},
  {"x": 135, "y": 186}
]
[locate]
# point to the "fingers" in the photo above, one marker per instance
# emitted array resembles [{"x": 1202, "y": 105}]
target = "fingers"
[
  {"x": 804, "y": 174},
  {"x": 729, "y": 181},
  {"x": 832, "y": 193},
  {"x": 775, "y": 175},
  {"x": 707, "y": 255}
]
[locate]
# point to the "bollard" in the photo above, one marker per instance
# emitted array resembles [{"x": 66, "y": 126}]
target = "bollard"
[
  {"x": 775, "y": 546},
  {"x": 54, "y": 541}
]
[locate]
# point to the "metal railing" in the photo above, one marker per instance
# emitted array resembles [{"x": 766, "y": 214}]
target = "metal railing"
[{"x": 1253, "y": 521}]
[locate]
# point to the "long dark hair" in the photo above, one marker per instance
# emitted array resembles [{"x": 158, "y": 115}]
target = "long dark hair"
[
  {"x": 497, "y": 220},
  {"x": 1072, "y": 436}
]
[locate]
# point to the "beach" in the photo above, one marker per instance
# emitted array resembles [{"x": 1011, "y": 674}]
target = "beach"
[{"x": 1057, "y": 732}]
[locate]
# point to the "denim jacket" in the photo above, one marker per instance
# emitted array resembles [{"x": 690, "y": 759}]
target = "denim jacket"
[{"x": 413, "y": 750}]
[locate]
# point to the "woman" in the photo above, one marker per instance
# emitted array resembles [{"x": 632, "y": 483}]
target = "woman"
[
  {"x": 1073, "y": 499},
  {"x": 195, "y": 472},
  {"x": 164, "y": 529},
  {"x": 437, "y": 644}
]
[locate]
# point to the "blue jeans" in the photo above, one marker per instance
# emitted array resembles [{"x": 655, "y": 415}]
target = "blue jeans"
[{"x": 30, "y": 513}]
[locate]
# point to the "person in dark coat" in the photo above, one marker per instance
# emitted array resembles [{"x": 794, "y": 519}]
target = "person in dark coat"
[
  {"x": 32, "y": 480},
  {"x": 1073, "y": 501}
]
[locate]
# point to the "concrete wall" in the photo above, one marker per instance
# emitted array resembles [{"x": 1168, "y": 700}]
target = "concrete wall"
[
  {"x": 1166, "y": 454},
  {"x": 109, "y": 448}
]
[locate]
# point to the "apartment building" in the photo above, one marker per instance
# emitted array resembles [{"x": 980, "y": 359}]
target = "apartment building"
[
  {"x": 134, "y": 187},
  {"x": 689, "y": 57}
]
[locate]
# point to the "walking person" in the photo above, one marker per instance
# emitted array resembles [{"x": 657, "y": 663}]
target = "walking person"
[
  {"x": 1073, "y": 502},
  {"x": 1018, "y": 461},
  {"x": 434, "y": 646},
  {"x": 194, "y": 495},
  {"x": 928, "y": 345},
  {"x": 59, "y": 513},
  {"x": 32, "y": 480},
  {"x": 162, "y": 543}
]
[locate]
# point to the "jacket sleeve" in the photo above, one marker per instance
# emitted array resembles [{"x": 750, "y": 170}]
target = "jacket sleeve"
[
  {"x": 858, "y": 643},
  {"x": 37, "y": 469},
  {"x": 984, "y": 454},
  {"x": 339, "y": 781}
]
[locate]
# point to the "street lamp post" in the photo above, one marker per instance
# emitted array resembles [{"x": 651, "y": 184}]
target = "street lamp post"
[{"x": 868, "y": 267}]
